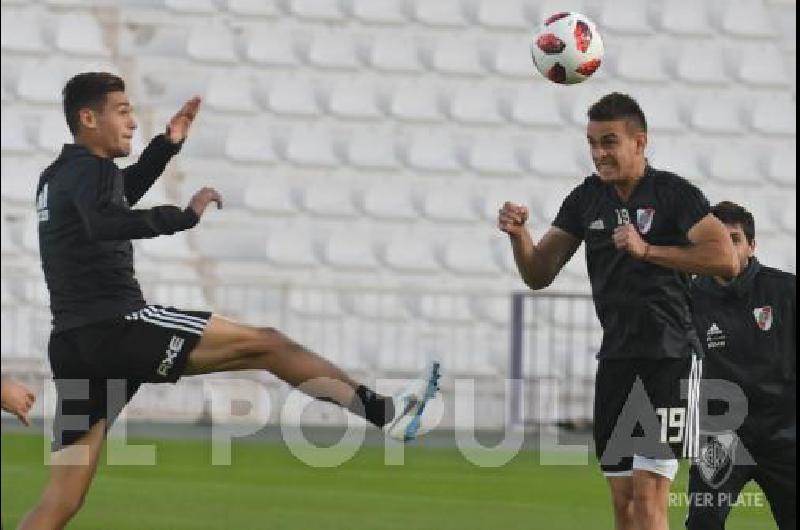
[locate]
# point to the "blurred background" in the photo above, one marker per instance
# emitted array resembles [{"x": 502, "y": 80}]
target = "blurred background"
[{"x": 363, "y": 148}]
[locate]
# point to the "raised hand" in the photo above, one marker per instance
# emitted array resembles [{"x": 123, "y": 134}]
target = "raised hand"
[
  {"x": 512, "y": 218},
  {"x": 178, "y": 126},
  {"x": 202, "y": 198}
]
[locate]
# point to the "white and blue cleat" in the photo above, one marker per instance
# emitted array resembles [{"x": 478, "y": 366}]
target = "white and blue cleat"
[{"x": 409, "y": 404}]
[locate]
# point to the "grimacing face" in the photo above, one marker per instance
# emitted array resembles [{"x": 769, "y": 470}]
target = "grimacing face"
[
  {"x": 111, "y": 129},
  {"x": 744, "y": 250},
  {"x": 617, "y": 150}
]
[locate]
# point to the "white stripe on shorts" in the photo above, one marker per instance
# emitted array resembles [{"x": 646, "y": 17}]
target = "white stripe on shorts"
[
  {"x": 169, "y": 319},
  {"x": 182, "y": 317}
]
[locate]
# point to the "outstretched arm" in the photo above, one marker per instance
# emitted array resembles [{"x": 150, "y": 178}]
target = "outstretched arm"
[
  {"x": 709, "y": 253},
  {"x": 139, "y": 177}
]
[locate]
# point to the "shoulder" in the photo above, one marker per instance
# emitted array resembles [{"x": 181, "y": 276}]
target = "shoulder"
[
  {"x": 775, "y": 277},
  {"x": 673, "y": 182},
  {"x": 591, "y": 185}
]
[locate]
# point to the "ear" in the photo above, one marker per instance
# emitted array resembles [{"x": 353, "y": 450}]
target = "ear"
[
  {"x": 751, "y": 249},
  {"x": 87, "y": 118},
  {"x": 641, "y": 142}
]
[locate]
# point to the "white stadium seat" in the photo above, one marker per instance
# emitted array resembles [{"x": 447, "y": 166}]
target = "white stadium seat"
[
  {"x": 775, "y": 115},
  {"x": 761, "y": 66},
  {"x": 293, "y": 97},
  {"x": 470, "y": 256},
  {"x": 213, "y": 43},
  {"x": 334, "y": 50},
  {"x": 250, "y": 142},
  {"x": 385, "y": 55},
  {"x": 193, "y": 7},
  {"x": 53, "y": 132},
  {"x": 677, "y": 155},
  {"x": 270, "y": 47},
  {"x": 512, "y": 58},
  {"x": 253, "y": 8},
  {"x": 640, "y": 61},
  {"x": 701, "y": 63},
  {"x": 174, "y": 247},
  {"x": 354, "y": 100},
  {"x": 318, "y": 10},
  {"x": 80, "y": 34},
  {"x": 389, "y": 201},
  {"x": 41, "y": 82},
  {"x": 456, "y": 57},
  {"x": 493, "y": 157},
  {"x": 475, "y": 105},
  {"x": 21, "y": 32},
  {"x": 14, "y": 138},
  {"x": 442, "y": 13},
  {"x": 372, "y": 150},
  {"x": 718, "y": 114},
  {"x": 432, "y": 152},
  {"x": 311, "y": 147},
  {"x": 383, "y": 12},
  {"x": 228, "y": 242},
  {"x": 625, "y": 16},
  {"x": 782, "y": 165},
  {"x": 20, "y": 175},
  {"x": 415, "y": 102},
  {"x": 328, "y": 200},
  {"x": 555, "y": 157},
  {"x": 290, "y": 248},
  {"x": 536, "y": 106},
  {"x": 507, "y": 15},
  {"x": 662, "y": 111},
  {"x": 680, "y": 17},
  {"x": 349, "y": 250},
  {"x": 733, "y": 165},
  {"x": 270, "y": 197},
  {"x": 449, "y": 205},
  {"x": 411, "y": 254},
  {"x": 746, "y": 18},
  {"x": 230, "y": 92}
]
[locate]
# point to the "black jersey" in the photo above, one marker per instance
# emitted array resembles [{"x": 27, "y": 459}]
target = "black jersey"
[
  {"x": 643, "y": 308},
  {"x": 85, "y": 227},
  {"x": 749, "y": 331}
]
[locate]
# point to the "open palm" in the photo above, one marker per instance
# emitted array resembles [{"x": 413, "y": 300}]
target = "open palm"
[{"x": 178, "y": 126}]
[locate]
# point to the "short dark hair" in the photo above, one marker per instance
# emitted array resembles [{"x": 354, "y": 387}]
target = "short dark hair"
[
  {"x": 731, "y": 213},
  {"x": 617, "y": 106},
  {"x": 88, "y": 89}
]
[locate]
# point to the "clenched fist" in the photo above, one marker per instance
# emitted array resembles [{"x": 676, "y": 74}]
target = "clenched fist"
[
  {"x": 512, "y": 218},
  {"x": 202, "y": 198},
  {"x": 17, "y": 399},
  {"x": 627, "y": 238}
]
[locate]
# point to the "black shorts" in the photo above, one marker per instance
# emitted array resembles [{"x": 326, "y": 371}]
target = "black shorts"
[
  {"x": 654, "y": 427},
  {"x": 98, "y": 368}
]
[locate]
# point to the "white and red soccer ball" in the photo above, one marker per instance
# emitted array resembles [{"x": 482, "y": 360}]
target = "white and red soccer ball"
[{"x": 567, "y": 48}]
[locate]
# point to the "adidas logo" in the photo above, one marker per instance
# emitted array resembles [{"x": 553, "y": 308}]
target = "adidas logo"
[
  {"x": 597, "y": 224},
  {"x": 714, "y": 329}
]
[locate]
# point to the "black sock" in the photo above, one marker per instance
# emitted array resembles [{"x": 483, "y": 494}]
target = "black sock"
[{"x": 373, "y": 407}]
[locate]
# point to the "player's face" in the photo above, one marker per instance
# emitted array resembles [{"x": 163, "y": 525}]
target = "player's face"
[
  {"x": 744, "y": 250},
  {"x": 617, "y": 151},
  {"x": 115, "y": 124}
]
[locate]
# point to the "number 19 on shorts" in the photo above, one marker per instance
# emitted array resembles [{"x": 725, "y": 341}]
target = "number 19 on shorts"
[{"x": 672, "y": 419}]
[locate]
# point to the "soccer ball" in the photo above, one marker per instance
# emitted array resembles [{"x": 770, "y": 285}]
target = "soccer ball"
[{"x": 567, "y": 48}]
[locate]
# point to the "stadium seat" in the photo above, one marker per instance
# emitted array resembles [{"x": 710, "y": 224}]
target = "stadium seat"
[
  {"x": 253, "y": 8},
  {"x": 80, "y": 34},
  {"x": 456, "y": 57},
  {"x": 374, "y": 305},
  {"x": 508, "y": 15},
  {"x": 334, "y": 50},
  {"x": 680, "y": 17},
  {"x": 717, "y": 114},
  {"x": 316, "y": 10},
  {"x": 168, "y": 248},
  {"x": 701, "y": 63},
  {"x": 382, "y": 12},
  {"x": 640, "y": 61},
  {"x": 732, "y": 165},
  {"x": 370, "y": 150},
  {"x": 449, "y": 204},
  {"x": 389, "y": 201},
  {"x": 230, "y": 92},
  {"x": 775, "y": 115},
  {"x": 250, "y": 142},
  {"x": 228, "y": 242},
  {"x": 385, "y": 55},
  {"x": 20, "y": 176},
  {"x": 677, "y": 155},
  {"x": 354, "y": 100},
  {"x": 746, "y": 18},
  {"x": 41, "y": 82},
  {"x": 193, "y": 7},
  {"x": 415, "y": 102},
  {"x": 21, "y": 32},
  {"x": 536, "y": 106},
  {"x": 439, "y": 307},
  {"x": 410, "y": 254},
  {"x": 492, "y": 156},
  {"x": 349, "y": 250},
  {"x": 9, "y": 247},
  {"x": 442, "y": 13},
  {"x": 328, "y": 200},
  {"x": 290, "y": 248},
  {"x": 782, "y": 165},
  {"x": 53, "y": 132},
  {"x": 212, "y": 43},
  {"x": 761, "y": 66},
  {"x": 475, "y": 105},
  {"x": 434, "y": 152},
  {"x": 311, "y": 147},
  {"x": 625, "y": 16},
  {"x": 293, "y": 97},
  {"x": 789, "y": 219},
  {"x": 662, "y": 111},
  {"x": 512, "y": 58},
  {"x": 270, "y": 47},
  {"x": 14, "y": 139},
  {"x": 555, "y": 157},
  {"x": 472, "y": 256},
  {"x": 314, "y": 303},
  {"x": 271, "y": 197}
]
